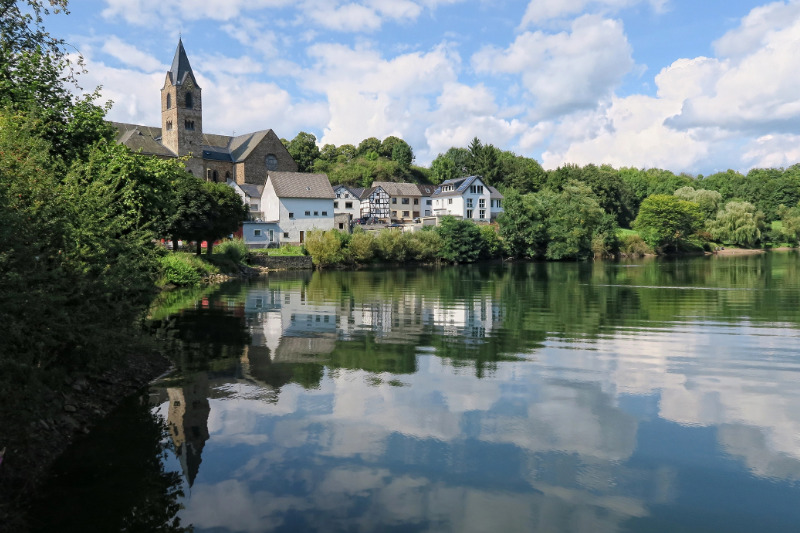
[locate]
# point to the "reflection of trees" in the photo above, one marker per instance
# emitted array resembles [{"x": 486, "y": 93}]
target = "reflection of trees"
[{"x": 119, "y": 469}]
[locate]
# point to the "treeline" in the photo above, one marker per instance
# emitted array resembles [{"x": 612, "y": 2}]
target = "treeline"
[
  {"x": 80, "y": 216},
  {"x": 372, "y": 160}
]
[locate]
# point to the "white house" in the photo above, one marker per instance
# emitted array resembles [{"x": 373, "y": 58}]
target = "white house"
[
  {"x": 299, "y": 202},
  {"x": 251, "y": 196},
  {"x": 375, "y": 202},
  {"x": 469, "y": 198},
  {"x": 426, "y": 202},
  {"x": 347, "y": 201}
]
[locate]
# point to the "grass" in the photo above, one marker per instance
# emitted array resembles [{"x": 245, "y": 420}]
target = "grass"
[{"x": 285, "y": 250}]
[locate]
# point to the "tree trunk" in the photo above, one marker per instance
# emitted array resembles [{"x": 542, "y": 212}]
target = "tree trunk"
[
  {"x": 210, "y": 247},
  {"x": 174, "y": 243},
  {"x": 198, "y": 249}
]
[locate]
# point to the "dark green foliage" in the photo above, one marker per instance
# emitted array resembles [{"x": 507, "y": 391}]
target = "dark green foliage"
[
  {"x": 402, "y": 154},
  {"x": 177, "y": 269},
  {"x": 666, "y": 222},
  {"x": 303, "y": 149},
  {"x": 738, "y": 223},
  {"x": 461, "y": 240},
  {"x": 523, "y": 224}
]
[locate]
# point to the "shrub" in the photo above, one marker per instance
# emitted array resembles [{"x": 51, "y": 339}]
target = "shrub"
[
  {"x": 362, "y": 247},
  {"x": 634, "y": 246},
  {"x": 178, "y": 269},
  {"x": 425, "y": 245},
  {"x": 493, "y": 245},
  {"x": 235, "y": 249},
  {"x": 392, "y": 245},
  {"x": 325, "y": 247}
]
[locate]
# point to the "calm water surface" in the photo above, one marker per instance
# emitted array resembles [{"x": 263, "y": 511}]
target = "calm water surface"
[{"x": 606, "y": 397}]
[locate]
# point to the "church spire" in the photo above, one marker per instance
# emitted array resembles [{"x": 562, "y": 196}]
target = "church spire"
[{"x": 180, "y": 66}]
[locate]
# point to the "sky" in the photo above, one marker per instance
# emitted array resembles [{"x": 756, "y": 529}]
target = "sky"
[{"x": 688, "y": 86}]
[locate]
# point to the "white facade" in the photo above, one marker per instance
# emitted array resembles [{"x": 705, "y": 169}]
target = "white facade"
[
  {"x": 346, "y": 202},
  {"x": 468, "y": 198},
  {"x": 261, "y": 234}
]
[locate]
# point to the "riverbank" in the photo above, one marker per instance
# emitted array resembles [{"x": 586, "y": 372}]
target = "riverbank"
[{"x": 34, "y": 438}]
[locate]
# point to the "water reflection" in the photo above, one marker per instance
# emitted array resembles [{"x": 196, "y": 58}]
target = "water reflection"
[{"x": 548, "y": 397}]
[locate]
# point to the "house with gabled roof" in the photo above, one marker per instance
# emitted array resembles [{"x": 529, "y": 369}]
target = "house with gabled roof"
[
  {"x": 298, "y": 202},
  {"x": 404, "y": 199},
  {"x": 468, "y": 198},
  {"x": 375, "y": 203},
  {"x": 242, "y": 159},
  {"x": 347, "y": 201},
  {"x": 426, "y": 201}
]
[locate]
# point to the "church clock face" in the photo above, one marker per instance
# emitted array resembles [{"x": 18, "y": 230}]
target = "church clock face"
[{"x": 272, "y": 162}]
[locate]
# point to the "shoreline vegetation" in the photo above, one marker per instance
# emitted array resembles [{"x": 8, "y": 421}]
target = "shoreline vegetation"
[{"x": 80, "y": 216}]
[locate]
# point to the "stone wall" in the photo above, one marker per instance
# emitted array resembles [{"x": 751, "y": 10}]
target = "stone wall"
[{"x": 283, "y": 262}]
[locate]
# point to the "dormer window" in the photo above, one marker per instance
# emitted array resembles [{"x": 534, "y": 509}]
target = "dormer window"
[{"x": 189, "y": 101}]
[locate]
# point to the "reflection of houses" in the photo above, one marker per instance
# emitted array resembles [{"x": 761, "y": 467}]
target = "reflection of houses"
[
  {"x": 470, "y": 320},
  {"x": 187, "y": 420}
]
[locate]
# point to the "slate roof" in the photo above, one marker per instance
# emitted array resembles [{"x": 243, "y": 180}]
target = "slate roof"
[
  {"x": 215, "y": 147},
  {"x": 181, "y": 69},
  {"x": 301, "y": 185},
  {"x": 253, "y": 191},
  {"x": 426, "y": 190},
  {"x": 356, "y": 192},
  {"x": 398, "y": 189},
  {"x": 494, "y": 193},
  {"x": 459, "y": 185}
]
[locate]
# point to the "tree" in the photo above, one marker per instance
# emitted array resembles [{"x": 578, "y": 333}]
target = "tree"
[
  {"x": 708, "y": 201},
  {"x": 461, "y": 240},
  {"x": 402, "y": 154},
  {"x": 303, "y": 149},
  {"x": 370, "y": 144},
  {"x": 443, "y": 169},
  {"x": 523, "y": 224},
  {"x": 324, "y": 247},
  {"x": 738, "y": 223},
  {"x": 387, "y": 146},
  {"x": 790, "y": 222},
  {"x": 666, "y": 221},
  {"x": 229, "y": 211},
  {"x": 574, "y": 218}
]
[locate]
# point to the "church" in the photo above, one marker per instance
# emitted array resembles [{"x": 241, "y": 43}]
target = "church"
[{"x": 243, "y": 159}]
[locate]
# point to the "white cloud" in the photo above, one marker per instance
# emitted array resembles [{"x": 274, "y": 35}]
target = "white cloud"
[
  {"x": 371, "y": 96},
  {"x": 756, "y": 29},
  {"x": 565, "y": 71},
  {"x": 348, "y": 17},
  {"x": 147, "y": 12},
  {"x": 130, "y": 55},
  {"x": 540, "y": 11}
]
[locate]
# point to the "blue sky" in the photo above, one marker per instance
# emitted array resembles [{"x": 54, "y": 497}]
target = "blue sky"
[{"x": 692, "y": 87}]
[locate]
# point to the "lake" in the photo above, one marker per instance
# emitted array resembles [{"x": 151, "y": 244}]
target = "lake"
[{"x": 656, "y": 395}]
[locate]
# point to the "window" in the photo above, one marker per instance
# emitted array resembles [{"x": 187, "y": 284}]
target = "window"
[
  {"x": 308, "y": 213},
  {"x": 324, "y": 213},
  {"x": 482, "y": 203},
  {"x": 476, "y": 189},
  {"x": 336, "y": 205},
  {"x": 272, "y": 162},
  {"x": 405, "y": 214},
  {"x": 256, "y": 233},
  {"x": 469, "y": 202},
  {"x": 449, "y": 201},
  {"x": 405, "y": 201},
  {"x": 189, "y": 101},
  {"x": 469, "y": 213},
  {"x": 341, "y": 225},
  {"x": 253, "y": 207},
  {"x": 169, "y": 125},
  {"x": 271, "y": 235},
  {"x": 227, "y": 176},
  {"x": 416, "y": 201},
  {"x": 316, "y": 213},
  {"x": 291, "y": 215},
  {"x": 394, "y": 214},
  {"x": 169, "y": 101},
  {"x": 482, "y": 214},
  {"x": 188, "y": 124},
  {"x": 428, "y": 202},
  {"x": 394, "y": 200},
  {"x": 338, "y": 195},
  {"x": 498, "y": 203},
  {"x": 348, "y": 205},
  {"x": 286, "y": 236}
]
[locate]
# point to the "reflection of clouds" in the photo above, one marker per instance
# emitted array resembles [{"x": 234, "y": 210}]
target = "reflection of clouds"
[
  {"x": 708, "y": 374},
  {"x": 750, "y": 445}
]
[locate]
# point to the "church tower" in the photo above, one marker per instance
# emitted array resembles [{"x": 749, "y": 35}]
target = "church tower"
[{"x": 182, "y": 112}]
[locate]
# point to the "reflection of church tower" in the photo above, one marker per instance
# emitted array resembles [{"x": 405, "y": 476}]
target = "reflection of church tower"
[
  {"x": 182, "y": 112},
  {"x": 188, "y": 423}
]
